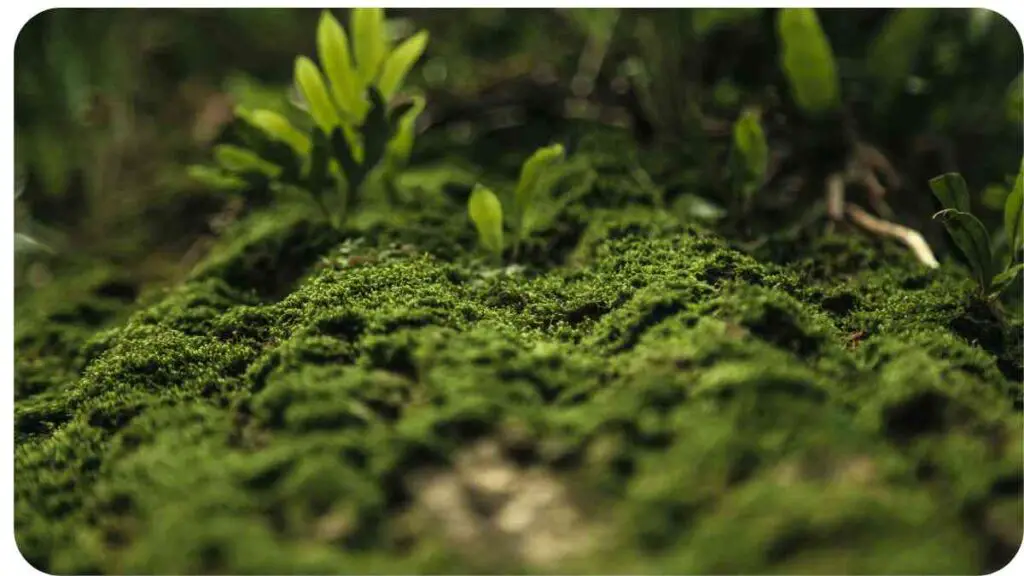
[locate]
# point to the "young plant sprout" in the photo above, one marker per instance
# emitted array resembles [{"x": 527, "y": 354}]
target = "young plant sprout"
[
  {"x": 749, "y": 158},
  {"x": 535, "y": 179},
  {"x": 971, "y": 237},
  {"x": 485, "y": 212},
  {"x": 356, "y": 123}
]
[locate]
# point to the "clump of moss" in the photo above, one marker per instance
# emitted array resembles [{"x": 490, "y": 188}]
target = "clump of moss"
[
  {"x": 54, "y": 321},
  {"x": 712, "y": 411}
]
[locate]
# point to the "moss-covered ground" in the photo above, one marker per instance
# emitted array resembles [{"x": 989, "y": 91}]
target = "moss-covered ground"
[{"x": 640, "y": 396}]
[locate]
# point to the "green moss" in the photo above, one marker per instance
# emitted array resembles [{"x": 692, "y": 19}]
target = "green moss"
[
  {"x": 53, "y": 323},
  {"x": 707, "y": 409}
]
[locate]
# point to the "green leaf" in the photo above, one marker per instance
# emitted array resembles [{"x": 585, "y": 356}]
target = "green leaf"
[
  {"x": 485, "y": 212},
  {"x": 808, "y": 61},
  {"x": 399, "y": 62},
  {"x": 951, "y": 190},
  {"x": 279, "y": 128},
  {"x": 529, "y": 182},
  {"x": 893, "y": 53},
  {"x": 400, "y": 146},
  {"x": 311, "y": 84},
  {"x": 1013, "y": 217},
  {"x": 368, "y": 42},
  {"x": 216, "y": 179},
  {"x": 240, "y": 161},
  {"x": 346, "y": 85},
  {"x": 750, "y": 144},
  {"x": 970, "y": 236},
  {"x": 258, "y": 141}
]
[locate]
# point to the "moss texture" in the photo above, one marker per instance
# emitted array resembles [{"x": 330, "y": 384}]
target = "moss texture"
[{"x": 312, "y": 403}]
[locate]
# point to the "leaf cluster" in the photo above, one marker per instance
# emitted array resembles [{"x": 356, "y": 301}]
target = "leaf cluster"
[
  {"x": 972, "y": 238},
  {"x": 357, "y": 122},
  {"x": 536, "y": 177}
]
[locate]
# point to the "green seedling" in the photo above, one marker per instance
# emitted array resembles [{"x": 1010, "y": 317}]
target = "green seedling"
[
  {"x": 533, "y": 183},
  {"x": 749, "y": 158},
  {"x": 808, "y": 61},
  {"x": 357, "y": 122},
  {"x": 486, "y": 214},
  {"x": 972, "y": 238},
  {"x": 536, "y": 177}
]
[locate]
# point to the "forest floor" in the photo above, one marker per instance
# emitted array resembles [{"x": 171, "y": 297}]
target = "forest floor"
[{"x": 639, "y": 395}]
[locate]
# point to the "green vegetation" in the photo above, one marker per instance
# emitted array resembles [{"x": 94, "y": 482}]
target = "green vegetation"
[
  {"x": 485, "y": 212},
  {"x": 536, "y": 178},
  {"x": 973, "y": 239},
  {"x": 722, "y": 325},
  {"x": 807, "y": 60},
  {"x": 356, "y": 123},
  {"x": 749, "y": 157}
]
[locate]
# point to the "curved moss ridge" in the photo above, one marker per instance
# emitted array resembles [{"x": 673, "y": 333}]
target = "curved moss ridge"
[{"x": 700, "y": 410}]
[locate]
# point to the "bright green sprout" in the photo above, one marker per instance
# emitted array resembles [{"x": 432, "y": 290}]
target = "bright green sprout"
[
  {"x": 485, "y": 212},
  {"x": 357, "y": 123},
  {"x": 533, "y": 183},
  {"x": 536, "y": 177},
  {"x": 749, "y": 157}
]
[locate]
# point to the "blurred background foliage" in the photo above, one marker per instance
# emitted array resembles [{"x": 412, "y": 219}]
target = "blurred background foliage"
[{"x": 110, "y": 105}]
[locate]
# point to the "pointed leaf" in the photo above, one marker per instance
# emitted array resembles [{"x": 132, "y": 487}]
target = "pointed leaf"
[
  {"x": 346, "y": 85},
  {"x": 808, "y": 61},
  {"x": 529, "y": 179},
  {"x": 257, "y": 141},
  {"x": 400, "y": 146},
  {"x": 278, "y": 127},
  {"x": 951, "y": 190},
  {"x": 399, "y": 62},
  {"x": 240, "y": 161},
  {"x": 368, "y": 42},
  {"x": 485, "y": 212},
  {"x": 751, "y": 148},
  {"x": 1013, "y": 217},
  {"x": 970, "y": 236},
  {"x": 311, "y": 84},
  {"x": 216, "y": 179}
]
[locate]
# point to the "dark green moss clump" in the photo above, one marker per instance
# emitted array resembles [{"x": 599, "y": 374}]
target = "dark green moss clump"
[{"x": 306, "y": 403}]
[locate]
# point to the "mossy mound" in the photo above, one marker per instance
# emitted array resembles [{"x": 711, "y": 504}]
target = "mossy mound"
[{"x": 649, "y": 399}]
